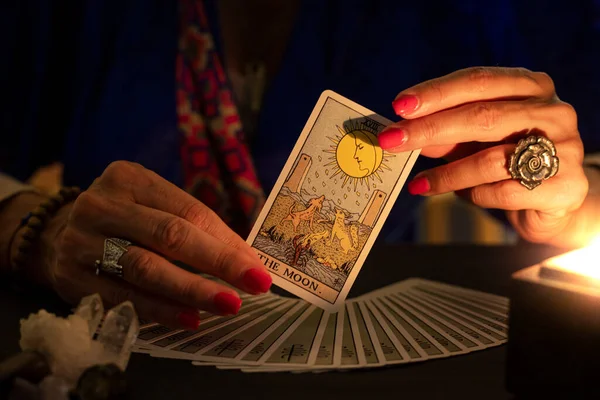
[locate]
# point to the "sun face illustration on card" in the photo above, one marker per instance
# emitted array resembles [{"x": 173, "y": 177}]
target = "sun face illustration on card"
[{"x": 330, "y": 202}]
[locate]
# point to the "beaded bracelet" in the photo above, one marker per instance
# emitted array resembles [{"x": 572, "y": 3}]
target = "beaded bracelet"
[{"x": 35, "y": 222}]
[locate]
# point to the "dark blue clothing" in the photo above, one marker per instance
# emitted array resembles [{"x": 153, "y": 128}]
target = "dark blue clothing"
[{"x": 92, "y": 82}]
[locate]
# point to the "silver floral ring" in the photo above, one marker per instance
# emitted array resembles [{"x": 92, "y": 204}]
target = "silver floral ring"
[
  {"x": 114, "y": 248},
  {"x": 533, "y": 161}
]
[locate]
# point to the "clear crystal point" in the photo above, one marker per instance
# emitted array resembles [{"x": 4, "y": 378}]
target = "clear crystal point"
[
  {"x": 90, "y": 308},
  {"x": 118, "y": 333}
]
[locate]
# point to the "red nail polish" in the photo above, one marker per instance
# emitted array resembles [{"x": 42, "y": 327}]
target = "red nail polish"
[
  {"x": 189, "y": 319},
  {"x": 391, "y": 137},
  {"x": 257, "y": 280},
  {"x": 406, "y": 104},
  {"x": 418, "y": 186},
  {"x": 227, "y": 303}
]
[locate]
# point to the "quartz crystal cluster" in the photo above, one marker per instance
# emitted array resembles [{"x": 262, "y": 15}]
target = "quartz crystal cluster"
[{"x": 84, "y": 339}]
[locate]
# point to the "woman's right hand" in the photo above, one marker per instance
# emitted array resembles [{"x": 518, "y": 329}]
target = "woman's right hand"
[{"x": 163, "y": 223}]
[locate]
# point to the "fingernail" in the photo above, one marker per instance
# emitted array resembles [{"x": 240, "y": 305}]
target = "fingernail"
[
  {"x": 227, "y": 303},
  {"x": 391, "y": 137},
  {"x": 257, "y": 280},
  {"x": 189, "y": 320},
  {"x": 418, "y": 186},
  {"x": 406, "y": 104}
]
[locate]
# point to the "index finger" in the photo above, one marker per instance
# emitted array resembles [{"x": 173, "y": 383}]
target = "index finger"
[
  {"x": 153, "y": 191},
  {"x": 470, "y": 85}
]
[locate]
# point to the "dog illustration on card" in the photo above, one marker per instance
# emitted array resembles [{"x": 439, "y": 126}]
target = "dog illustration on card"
[
  {"x": 347, "y": 235},
  {"x": 308, "y": 214}
]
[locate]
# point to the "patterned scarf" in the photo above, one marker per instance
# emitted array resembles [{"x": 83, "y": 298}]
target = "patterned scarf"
[{"x": 218, "y": 168}]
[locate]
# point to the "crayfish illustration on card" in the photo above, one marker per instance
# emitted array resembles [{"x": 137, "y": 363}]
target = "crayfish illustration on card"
[{"x": 329, "y": 200}]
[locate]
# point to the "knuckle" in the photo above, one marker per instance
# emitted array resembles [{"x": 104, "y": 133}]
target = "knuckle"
[
  {"x": 576, "y": 189},
  {"x": 583, "y": 187},
  {"x": 522, "y": 71},
  {"x": 173, "y": 233},
  {"x": 446, "y": 180},
  {"x": 435, "y": 87},
  {"x": 84, "y": 201},
  {"x": 141, "y": 267},
  {"x": 85, "y": 204},
  {"x": 495, "y": 196},
  {"x": 544, "y": 81},
  {"x": 485, "y": 116},
  {"x": 524, "y": 74},
  {"x": 429, "y": 129},
  {"x": 564, "y": 113},
  {"x": 490, "y": 162},
  {"x": 198, "y": 214},
  {"x": 224, "y": 263},
  {"x": 118, "y": 172},
  {"x": 505, "y": 197},
  {"x": 480, "y": 78},
  {"x": 190, "y": 291},
  {"x": 475, "y": 196},
  {"x": 578, "y": 150}
]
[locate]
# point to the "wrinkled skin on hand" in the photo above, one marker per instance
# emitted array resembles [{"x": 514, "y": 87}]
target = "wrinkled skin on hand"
[
  {"x": 474, "y": 118},
  {"x": 164, "y": 223}
]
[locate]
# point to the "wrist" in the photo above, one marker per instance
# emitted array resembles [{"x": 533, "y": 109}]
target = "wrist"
[
  {"x": 46, "y": 255},
  {"x": 31, "y": 252},
  {"x": 11, "y": 214}
]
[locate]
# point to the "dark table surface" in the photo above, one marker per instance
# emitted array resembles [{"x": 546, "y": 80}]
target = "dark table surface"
[{"x": 479, "y": 375}]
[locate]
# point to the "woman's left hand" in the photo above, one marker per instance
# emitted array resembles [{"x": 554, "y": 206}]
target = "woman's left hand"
[{"x": 473, "y": 118}]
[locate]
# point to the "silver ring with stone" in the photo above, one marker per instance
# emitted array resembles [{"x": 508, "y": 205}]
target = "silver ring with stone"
[
  {"x": 533, "y": 161},
  {"x": 114, "y": 248}
]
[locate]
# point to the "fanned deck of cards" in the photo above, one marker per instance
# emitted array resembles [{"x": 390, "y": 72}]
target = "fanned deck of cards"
[
  {"x": 412, "y": 320},
  {"x": 314, "y": 234}
]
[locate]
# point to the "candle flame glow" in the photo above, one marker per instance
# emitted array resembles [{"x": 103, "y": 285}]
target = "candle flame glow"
[{"x": 584, "y": 261}]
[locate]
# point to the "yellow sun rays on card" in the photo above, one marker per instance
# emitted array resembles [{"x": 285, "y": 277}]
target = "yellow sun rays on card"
[{"x": 355, "y": 153}]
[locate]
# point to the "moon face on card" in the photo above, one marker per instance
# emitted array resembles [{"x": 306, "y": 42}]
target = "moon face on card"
[{"x": 357, "y": 156}]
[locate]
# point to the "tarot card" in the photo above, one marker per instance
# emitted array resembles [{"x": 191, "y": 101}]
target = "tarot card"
[
  {"x": 189, "y": 348},
  {"x": 297, "y": 347},
  {"x": 367, "y": 353},
  {"x": 257, "y": 349},
  {"x": 467, "y": 329},
  {"x": 446, "y": 295},
  {"x": 227, "y": 348},
  {"x": 321, "y": 357},
  {"x": 341, "y": 344},
  {"x": 464, "y": 292},
  {"x": 490, "y": 328},
  {"x": 254, "y": 341},
  {"x": 154, "y": 332},
  {"x": 165, "y": 344},
  {"x": 330, "y": 202},
  {"x": 406, "y": 347},
  {"x": 157, "y": 332},
  {"x": 465, "y": 306},
  {"x": 445, "y": 328},
  {"x": 347, "y": 342},
  {"x": 382, "y": 344},
  {"x": 321, "y": 352},
  {"x": 440, "y": 340},
  {"x": 465, "y": 297},
  {"x": 421, "y": 342},
  {"x": 144, "y": 323},
  {"x": 279, "y": 347}
]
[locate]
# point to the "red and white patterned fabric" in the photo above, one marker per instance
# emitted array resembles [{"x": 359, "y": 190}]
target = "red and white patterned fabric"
[{"x": 218, "y": 168}]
